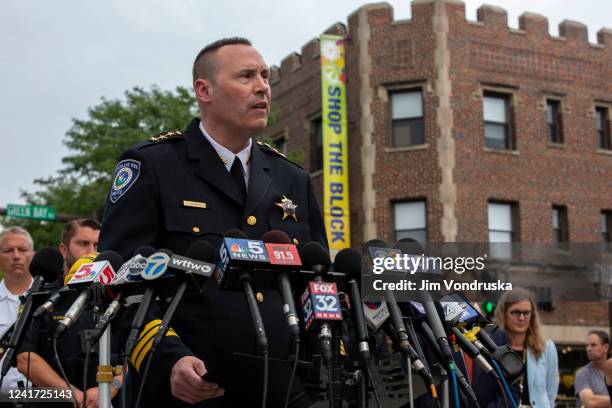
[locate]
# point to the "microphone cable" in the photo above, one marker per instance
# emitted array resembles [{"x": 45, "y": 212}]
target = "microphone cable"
[
  {"x": 411, "y": 332},
  {"x": 293, "y": 371},
  {"x": 61, "y": 367},
  {"x": 144, "y": 379},
  {"x": 503, "y": 383},
  {"x": 264, "y": 399},
  {"x": 330, "y": 387},
  {"x": 28, "y": 382},
  {"x": 85, "y": 364},
  {"x": 371, "y": 382},
  {"x": 161, "y": 333},
  {"x": 124, "y": 372},
  {"x": 261, "y": 337},
  {"x": 453, "y": 376},
  {"x": 435, "y": 403}
]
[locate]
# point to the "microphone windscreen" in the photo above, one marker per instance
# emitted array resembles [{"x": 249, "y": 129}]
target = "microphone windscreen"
[
  {"x": 410, "y": 246},
  {"x": 348, "y": 261},
  {"x": 374, "y": 243},
  {"x": 235, "y": 233},
  {"x": 112, "y": 257},
  {"x": 201, "y": 251},
  {"x": 47, "y": 262},
  {"x": 313, "y": 253},
  {"x": 67, "y": 278},
  {"x": 87, "y": 258},
  {"x": 145, "y": 251},
  {"x": 276, "y": 237}
]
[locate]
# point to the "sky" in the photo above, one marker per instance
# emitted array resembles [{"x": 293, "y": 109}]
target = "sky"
[{"x": 58, "y": 58}]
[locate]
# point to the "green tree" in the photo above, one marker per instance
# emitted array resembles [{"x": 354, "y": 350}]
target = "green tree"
[{"x": 95, "y": 144}]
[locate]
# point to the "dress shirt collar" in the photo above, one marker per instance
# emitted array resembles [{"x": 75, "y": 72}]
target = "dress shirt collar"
[
  {"x": 5, "y": 293},
  {"x": 226, "y": 155}
]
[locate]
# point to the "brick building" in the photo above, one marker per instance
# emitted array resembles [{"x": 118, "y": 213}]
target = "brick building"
[{"x": 465, "y": 131}]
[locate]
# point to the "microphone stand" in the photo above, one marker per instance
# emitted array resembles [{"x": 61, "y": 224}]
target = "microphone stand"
[
  {"x": 445, "y": 394},
  {"x": 410, "y": 386},
  {"x": 104, "y": 374}
]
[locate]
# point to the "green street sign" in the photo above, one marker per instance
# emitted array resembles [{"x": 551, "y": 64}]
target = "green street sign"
[{"x": 35, "y": 212}]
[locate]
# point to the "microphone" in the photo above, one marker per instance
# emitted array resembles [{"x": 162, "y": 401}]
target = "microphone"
[
  {"x": 131, "y": 270},
  {"x": 320, "y": 301},
  {"x": 376, "y": 314},
  {"x": 254, "y": 251},
  {"x": 400, "y": 331},
  {"x": 90, "y": 276},
  {"x": 197, "y": 261},
  {"x": 50, "y": 304},
  {"x": 431, "y": 315},
  {"x": 237, "y": 254},
  {"x": 128, "y": 272},
  {"x": 466, "y": 389},
  {"x": 472, "y": 352},
  {"x": 280, "y": 249},
  {"x": 46, "y": 266},
  {"x": 348, "y": 260},
  {"x": 156, "y": 267},
  {"x": 509, "y": 360}
]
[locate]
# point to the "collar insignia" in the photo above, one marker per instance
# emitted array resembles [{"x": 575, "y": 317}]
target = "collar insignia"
[{"x": 164, "y": 136}]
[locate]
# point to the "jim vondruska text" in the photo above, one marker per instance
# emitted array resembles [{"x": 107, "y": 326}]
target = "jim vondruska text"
[{"x": 451, "y": 284}]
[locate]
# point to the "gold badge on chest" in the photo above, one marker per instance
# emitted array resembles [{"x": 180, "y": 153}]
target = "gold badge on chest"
[{"x": 288, "y": 208}]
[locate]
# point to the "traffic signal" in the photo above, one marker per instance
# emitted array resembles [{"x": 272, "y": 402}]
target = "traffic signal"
[{"x": 487, "y": 307}]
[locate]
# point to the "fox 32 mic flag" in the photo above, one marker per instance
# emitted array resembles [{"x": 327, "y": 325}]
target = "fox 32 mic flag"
[{"x": 335, "y": 148}]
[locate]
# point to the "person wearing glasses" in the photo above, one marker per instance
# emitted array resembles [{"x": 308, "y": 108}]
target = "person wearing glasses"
[
  {"x": 516, "y": 312},
  {"x": 16, "y": 251}
]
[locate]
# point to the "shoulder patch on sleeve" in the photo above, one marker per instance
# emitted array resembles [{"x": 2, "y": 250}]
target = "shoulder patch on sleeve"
[
  {"x": 126, "y": 174},
  {"x": 267, "y": 148},
  {"x": 166, "y": 136}
]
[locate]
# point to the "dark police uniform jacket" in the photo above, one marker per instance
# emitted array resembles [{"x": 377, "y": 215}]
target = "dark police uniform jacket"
[{"x": 173, "y": 190}]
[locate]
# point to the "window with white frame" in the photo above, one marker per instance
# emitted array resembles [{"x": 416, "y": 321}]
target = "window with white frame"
[
  {"x": 497, "y": 123},
  {"x": 407, "y": 118},
  {"x": 411, "y": 220},
  {"x": 501, "y": 228}
]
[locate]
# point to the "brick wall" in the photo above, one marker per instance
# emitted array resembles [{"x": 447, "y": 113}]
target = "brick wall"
[{"x": 527, "y": 63}]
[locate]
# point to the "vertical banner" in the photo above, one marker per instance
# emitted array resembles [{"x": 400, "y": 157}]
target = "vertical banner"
[{"x": 335, "y": 148}]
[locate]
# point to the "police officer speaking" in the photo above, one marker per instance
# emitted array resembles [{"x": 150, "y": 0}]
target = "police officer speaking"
[{"x": 177, "y": 188}]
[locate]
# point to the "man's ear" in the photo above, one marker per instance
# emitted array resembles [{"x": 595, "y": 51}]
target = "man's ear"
[
  {"x": 203, "y": 90},
  {"x": 63, "y": 249}
]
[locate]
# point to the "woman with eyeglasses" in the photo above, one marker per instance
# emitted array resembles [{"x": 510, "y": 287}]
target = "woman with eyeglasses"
[{"x": 516, "y": 312}]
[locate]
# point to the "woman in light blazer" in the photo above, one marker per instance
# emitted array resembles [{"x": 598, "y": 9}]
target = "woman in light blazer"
[{"x": 516, "y": 312}]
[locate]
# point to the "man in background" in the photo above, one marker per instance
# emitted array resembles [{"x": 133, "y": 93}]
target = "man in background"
[
  {"x": 16, "y": 251},
  {"x": 79, "y": 237},
  {"x": 591, "y": 390}
]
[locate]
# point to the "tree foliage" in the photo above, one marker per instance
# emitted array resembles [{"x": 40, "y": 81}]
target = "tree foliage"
[{"x": 80, "y": 187}]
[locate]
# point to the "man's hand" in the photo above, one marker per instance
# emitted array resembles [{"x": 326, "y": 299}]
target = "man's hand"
[
  {"x": 93, "y": 397},
  {"x": 187, "y": 384},
  {"x": 78, "y": 395}
]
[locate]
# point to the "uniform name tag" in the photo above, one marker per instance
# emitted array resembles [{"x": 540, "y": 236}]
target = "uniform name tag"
[{"x": 194, "y": 204}]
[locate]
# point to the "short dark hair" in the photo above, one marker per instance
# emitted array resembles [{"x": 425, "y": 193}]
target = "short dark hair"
[
  {"x": 204, "y": 66},
  {"x": 603, "y": 336},
  {"x": 71, "y": 227}
]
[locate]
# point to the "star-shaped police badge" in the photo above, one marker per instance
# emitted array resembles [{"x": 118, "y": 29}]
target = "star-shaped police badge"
[{"x": 288, "y": 208}]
